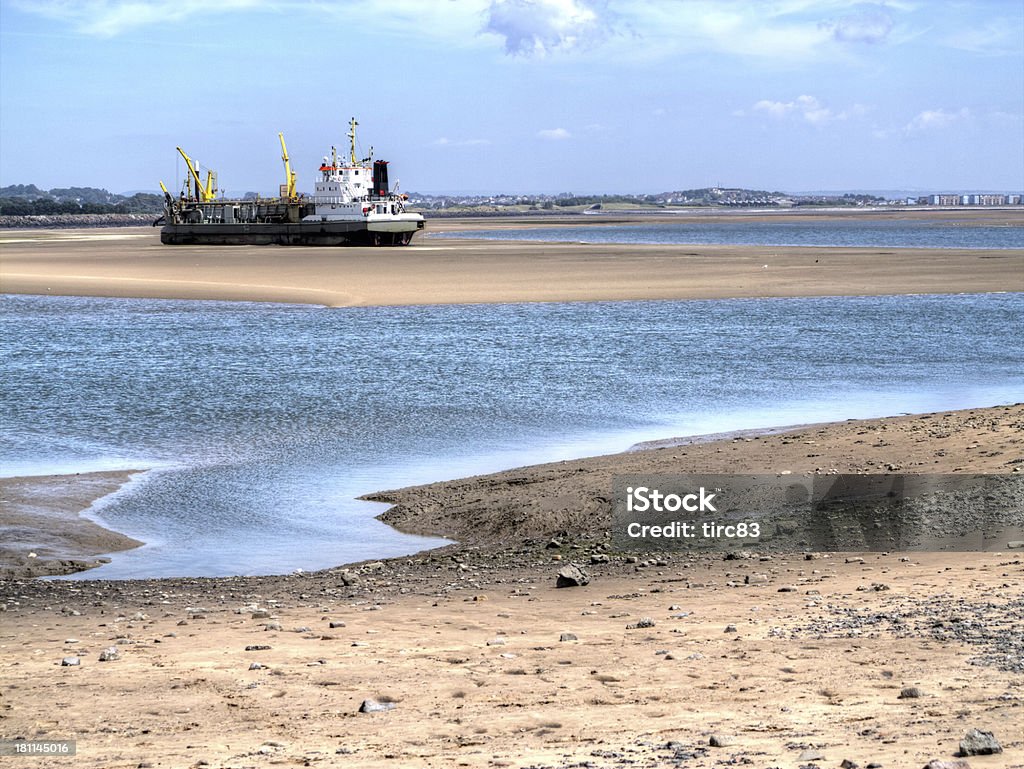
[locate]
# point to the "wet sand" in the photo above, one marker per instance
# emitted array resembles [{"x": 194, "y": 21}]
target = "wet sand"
[
  {"x": 477, "y": 659},
  {"x": 131, "y": 262},
  {"x": 42, "y": 530}
]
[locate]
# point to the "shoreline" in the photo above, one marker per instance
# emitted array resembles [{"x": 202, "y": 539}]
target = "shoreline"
[
  {"x": 127, "y": 262},
  {"x": 544, "y": 500}
]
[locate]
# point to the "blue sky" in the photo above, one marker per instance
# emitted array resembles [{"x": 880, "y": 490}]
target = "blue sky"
[{"x": 518, "y": 95}]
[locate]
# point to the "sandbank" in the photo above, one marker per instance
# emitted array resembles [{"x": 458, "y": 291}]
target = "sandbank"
[{"x": 131, "y": 262}]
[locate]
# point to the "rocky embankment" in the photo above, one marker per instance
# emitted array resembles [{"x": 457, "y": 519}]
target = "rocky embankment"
[{"x": 63, "y": 221}]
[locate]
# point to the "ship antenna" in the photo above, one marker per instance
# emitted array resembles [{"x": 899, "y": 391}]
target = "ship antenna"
[{"x": 352, "y": 138}]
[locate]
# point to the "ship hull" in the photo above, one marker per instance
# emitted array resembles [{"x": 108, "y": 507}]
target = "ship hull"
[{"x": 337, "y": 233}]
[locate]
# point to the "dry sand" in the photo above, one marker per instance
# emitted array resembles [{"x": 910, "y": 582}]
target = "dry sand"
[
  {"x": 883, "y": 658},
  {"x": 131, "y": 262}
]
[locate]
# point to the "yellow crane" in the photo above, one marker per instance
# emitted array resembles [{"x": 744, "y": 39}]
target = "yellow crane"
[
  {"x": 288, "y": 188},
  {"x": 204, "y": 192}
]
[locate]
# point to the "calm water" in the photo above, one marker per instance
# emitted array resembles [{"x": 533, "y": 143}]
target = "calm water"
[
  {"x": 263, "y": 422},
  {"x": 819, "y": 232}
]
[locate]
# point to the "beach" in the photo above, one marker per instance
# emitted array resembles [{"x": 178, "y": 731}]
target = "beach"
[
  {"x": 469, "y": 655},
  {"x": 474, "y": 658}
]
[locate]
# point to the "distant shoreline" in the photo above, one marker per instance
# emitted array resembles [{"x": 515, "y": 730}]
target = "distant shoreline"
[{"x": 37, "y": 222}]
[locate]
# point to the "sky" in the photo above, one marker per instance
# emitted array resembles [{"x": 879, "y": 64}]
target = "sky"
[{"x": 518, "y": 96}]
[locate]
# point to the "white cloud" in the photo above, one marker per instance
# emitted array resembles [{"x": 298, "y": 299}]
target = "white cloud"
[
  {"x": 999, "y": 37},
  {"x": 107, "y": 18},
  {"x": 935, "y": 118},
  {"x": 871, "y": 25},
  {"x": 554, "y": 134},
  {"x": 538, "y": 27},
  {"x": 807, "y": 107}
]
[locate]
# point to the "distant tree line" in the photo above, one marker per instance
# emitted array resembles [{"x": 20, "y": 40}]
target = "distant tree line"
[{"x": 29, "y": 200}]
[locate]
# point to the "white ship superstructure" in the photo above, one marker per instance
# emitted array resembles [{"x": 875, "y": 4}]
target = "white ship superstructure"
[{"x": 359, "y": 191}]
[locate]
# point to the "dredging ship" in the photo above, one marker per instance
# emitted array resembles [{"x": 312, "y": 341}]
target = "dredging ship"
[{"x": 352, "y": 206}]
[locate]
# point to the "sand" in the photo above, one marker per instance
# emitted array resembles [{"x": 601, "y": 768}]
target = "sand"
[
  {"x": 464, "y": 646},
  {"x": 131, "y": 262}
]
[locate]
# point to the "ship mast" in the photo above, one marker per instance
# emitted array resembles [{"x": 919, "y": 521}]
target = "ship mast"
[{"x": 352, "y": 138}]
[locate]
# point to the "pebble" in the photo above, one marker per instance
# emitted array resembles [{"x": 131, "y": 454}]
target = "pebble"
[
  {"x": 109, "y": 654},
  {"x": 333, "y": 625},
  {"x": 255, "y": 666},
  {"x": 572, "y": 576},
  {"x": 910, "y": 693},
  {"x": 372, "y": 706},
  {"x": 643, "y": 622},
  {"x": 568, "y": 637},
  {"x": 979, "y": 743},
  {"x": 69, "y": 662},
  {"x": 257, "y": 648},
  {"x": 811, "y": 755},
  {"x": 721, "y": 740},
  {"x": 937, "y": 764},
  {"x": 730, "y": 629}
]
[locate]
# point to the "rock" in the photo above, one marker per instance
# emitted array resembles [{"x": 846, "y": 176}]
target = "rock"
[
  {"x": 644, "y": 622},
  {"x": 568, "y": 637},
  {"x": 349, "y": 578},
  {"x": 372, "y": 706},
  {"x": 255, "y": 666},
  {"x": 721, "y": 740},
  {"x": 70, "y": 662},
  {"x": 109, "y": 654},
  {"x": 848, "y": 764},
  {"x": 1016, "y": 544},
  {"x": 261, "y": 614},
  {"x": 979, "y": 743},
  {"x": 811, "y": 755},
  {"x": 272, "y": 626},
  {"x": 553, "y": 544},
  {"x": 572, "y": 576},
  {"x": 756, "y": 579},
  {"x": 499, "y": 641},
  {"x": 257, "y": 648},
  {"x": 730, "y": 629},
  {"x": 599, "y": 558},
  {"x": 910, "y": 693},
  {"x": 937, "y": 764},
  {"x": 334, "y": 625}
]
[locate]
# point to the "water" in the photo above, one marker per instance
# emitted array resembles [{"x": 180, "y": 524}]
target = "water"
[
  {"x": 264, "y": 422},
  {"x": 819, "y": 232}
]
